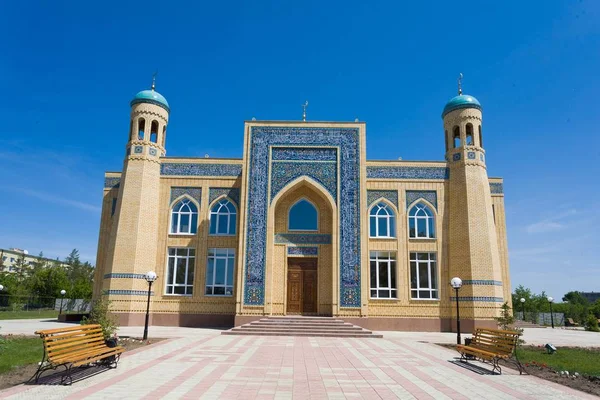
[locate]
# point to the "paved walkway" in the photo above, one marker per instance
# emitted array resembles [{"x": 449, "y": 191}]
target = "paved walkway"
[{"x": 201, "y": 363}]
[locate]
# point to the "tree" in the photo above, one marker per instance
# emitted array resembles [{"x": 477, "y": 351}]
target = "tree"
[
  {"x": 575, "y": 298},
  {"x": 80, "y": 276}
]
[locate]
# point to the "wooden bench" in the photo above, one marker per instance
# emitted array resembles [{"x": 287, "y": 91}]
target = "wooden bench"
[
  {"x": 491, "y": 345},
  {"x": 570, "y": 322},
  {"x": 75, "y": 347}
]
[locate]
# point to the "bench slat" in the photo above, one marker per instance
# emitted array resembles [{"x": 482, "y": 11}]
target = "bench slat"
[
  {"x": 63, "y": 330},
  {"x": 99, "y": 357},
  {"x": 74, "y": 352},
  {"x": 56, "y": 336},
  {"x": 82, "y": 354},
  {"x": 60, "y": 344}
]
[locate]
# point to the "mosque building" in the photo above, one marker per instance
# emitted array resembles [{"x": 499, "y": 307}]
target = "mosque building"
[{"x": 304, "y": 224}]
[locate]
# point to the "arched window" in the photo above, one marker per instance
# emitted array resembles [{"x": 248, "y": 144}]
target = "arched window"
[
  {"x": 141, "y": 127},
  {"x": 184, "y": 217},
  {"x": 456, "y": 137},
  {"x": 303, "y": 216},
  {"x": 154, "y": 132},
  {"x": 382, "y": 221},
  {"x": 480, "y": 138},
  {"x": 469, "y": 135},
  {"x": 223, "y": 218},
  {"x": 421, "y": 223}
]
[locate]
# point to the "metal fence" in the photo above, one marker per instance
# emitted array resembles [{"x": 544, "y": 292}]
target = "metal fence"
[
  {"x": 73, "y": 305},
  {"x": 541, "y": 318},
  {"x": 25, "y": 303}
]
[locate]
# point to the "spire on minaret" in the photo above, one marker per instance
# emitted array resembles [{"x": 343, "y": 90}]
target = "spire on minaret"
[
  {"x": 304, "y": 110},
  {"x": 154, "y": 80},
  {"x": 460, "y": 77}
]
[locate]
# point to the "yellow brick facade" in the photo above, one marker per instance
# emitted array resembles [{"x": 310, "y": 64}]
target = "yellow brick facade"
[{"x": 469, "y": 217}]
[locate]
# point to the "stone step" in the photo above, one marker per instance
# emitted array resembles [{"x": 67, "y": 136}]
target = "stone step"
[
  {"x": 308, "y": 323},
  {"x": 301, "y": 318},
  {"x": 305, "y": 334},
  {"x": 301, "y": 327}
]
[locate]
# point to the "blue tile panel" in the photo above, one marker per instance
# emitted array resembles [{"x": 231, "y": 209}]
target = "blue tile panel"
[
  {"x": 478, "y": 298},
  {"x": 232, "y": 193},
  {"x": 383, "y": 172},
  {"x": 480, "y": 282},
  {"x": 125, "y": 276},
  {"x": 128, "y": 292},
  {"x": 471, "y": 155},
  {"x": 138, "y": 149},
  {"x": 283, "y": 172},
  {"x": 194, "y": 192},
  {"x": 303, "y": 251},
  {"x": 302, "y": 238},
  {"x": 456, "y": 156},
  {"x": 112, "y": 182},
  {"x": 496, "y": 188},
  {"x": 200, "y": 169},
  {"x": 303, "y": 154},
  {"x": 374, "y": 195},
  {"x": 262, "y": 139},
  {"x": 414, "y": 195}
]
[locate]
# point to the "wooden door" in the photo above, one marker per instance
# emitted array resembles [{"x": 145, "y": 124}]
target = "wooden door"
[{"x": 302, "y": 286}]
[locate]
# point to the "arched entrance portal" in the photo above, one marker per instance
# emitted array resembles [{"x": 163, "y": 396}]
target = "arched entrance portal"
[{"x": 302, "y": 239}]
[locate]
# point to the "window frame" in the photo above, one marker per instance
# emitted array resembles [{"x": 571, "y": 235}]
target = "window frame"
[
  {"x": 390, "y": 218},
  {"x": 433, "y": 287},
  {"x": 427, "y": 218},
  {"x": 193, "y": 226},
  {"x": 187, "y": 285},
  {"x": 290, "y": 211},
  {"x": 229, "y": 262},
  {"x": 211, "y": 212},
  {"x": 389, "y": 258}
]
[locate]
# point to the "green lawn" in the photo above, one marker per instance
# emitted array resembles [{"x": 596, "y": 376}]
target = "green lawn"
[
  {"x": 20, "y": 351},
  {"x": 584, "y": 361},
  {"x": 28, "y": 314}
]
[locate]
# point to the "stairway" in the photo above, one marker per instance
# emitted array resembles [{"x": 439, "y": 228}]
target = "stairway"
[{"x": 302, "y": 326}]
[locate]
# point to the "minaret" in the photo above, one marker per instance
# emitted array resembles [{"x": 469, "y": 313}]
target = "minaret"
[
  {"x": 473, "y": 253},
  {"x": 133, "y": 244}
]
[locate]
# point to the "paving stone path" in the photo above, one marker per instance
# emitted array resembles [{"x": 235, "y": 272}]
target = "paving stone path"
[{"x": 215, "y": 366}]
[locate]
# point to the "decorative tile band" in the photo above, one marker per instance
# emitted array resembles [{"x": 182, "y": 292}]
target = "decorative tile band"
[
  {"x": 391, "y": 195},
  {"x": 200, "y": 169},
  {"x": 478, "y": 298},
  {"x": 112, "y": 182},
  {"x": 283, "y": 172},
  {"x": 302, "y": 238},
  {"x": 414, "y": 195},
  {"x": 128, "y": 292},
  {"x": 382, "y": 172},
  {"x": 496, "y": 188},
  {"x": 479, "y": 282},
  {"x": 232, "y": 193},
  {"x": 302, "y": 251},
  {"x": 303, "y": 154},
  {"x": 116, "y": 275},
  {"x": 194, "y": 192}
]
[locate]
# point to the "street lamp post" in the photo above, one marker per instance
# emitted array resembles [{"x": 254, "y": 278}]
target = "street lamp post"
[
  {"x": 456, "y": 283},
  {"x": 551, "y": 300},
  {"x": 523, "y": 307},
  {"x": 62, "y": 293},
  {"x": 150, "y": 277}
]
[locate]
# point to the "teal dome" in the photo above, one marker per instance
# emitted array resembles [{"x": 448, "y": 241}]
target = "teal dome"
[
  {"x": 152, "y": 97},
  {"x": 461, "y": 101}
]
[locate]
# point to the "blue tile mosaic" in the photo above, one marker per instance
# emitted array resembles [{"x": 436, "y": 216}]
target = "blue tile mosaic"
[
  {"x": 496, "y": 188},
  {"x": 283, "y": 172},
  {"x": 194, "y": 192},
  {"x": 124, "y": 276},
  {"x": 152, "y": 151},
  {"x": 232, "y": 193},
  {"x": 201, "y": 169},
  {"x": 138, "y": 149},
  {"x": 303, "y": 251},
  {"x": 128, "y": 292},
  {"x": 302, "y": 238},
  {"x": 414, "y": 195},
  {"x": 478, "y": 298},
  {"x": 262, "y": 138},
  {"x": 471, "y": 155},
  {"x": 112, "y": 182},
  {"x": 374, "y": 195},
  {"x": 456, "y": 157},
  {"x": 480, "y": 282},
  {"x": 303, "y": 154},
  {"x": 382, "y": 172}
]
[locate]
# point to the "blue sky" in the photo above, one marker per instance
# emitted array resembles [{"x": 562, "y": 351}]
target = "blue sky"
[{"x": 69, "y": 70}]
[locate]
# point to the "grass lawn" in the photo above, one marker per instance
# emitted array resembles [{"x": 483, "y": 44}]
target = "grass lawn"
[
  {"x": 18, "y": 351},
  {"x": 584, "y": 361},
  {"x": 28, "y": 314}
]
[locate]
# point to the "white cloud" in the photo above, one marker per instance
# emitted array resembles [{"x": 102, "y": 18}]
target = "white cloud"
[
  {"x": 59, "y": 200},
  {"x": 551, "y": 224}
]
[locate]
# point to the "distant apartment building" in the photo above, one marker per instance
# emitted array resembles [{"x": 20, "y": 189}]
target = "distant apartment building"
[
  {"x": 591, "y": 296},
  {"x": 11, "y": 256}
]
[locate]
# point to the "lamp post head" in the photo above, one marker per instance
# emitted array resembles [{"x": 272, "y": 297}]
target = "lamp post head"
[
  {"x": 456, "y": 282},
  {"x": 150, "y": 276},
  {"x": 551, "y": 299},
  {"x": 522, "y": 300},
  {"x": 63, "y": 292},
  {"x": 1, "y": 288}
]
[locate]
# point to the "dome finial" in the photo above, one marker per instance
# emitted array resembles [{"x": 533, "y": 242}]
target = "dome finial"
[
  {"x": 460, "y": 77},
  {"x": 154, "y": 80}
]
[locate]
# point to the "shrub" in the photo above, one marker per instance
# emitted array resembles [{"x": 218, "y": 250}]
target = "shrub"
[
  {"x": 100, "y": 314},
  {"x": 591, "y": 323}
]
